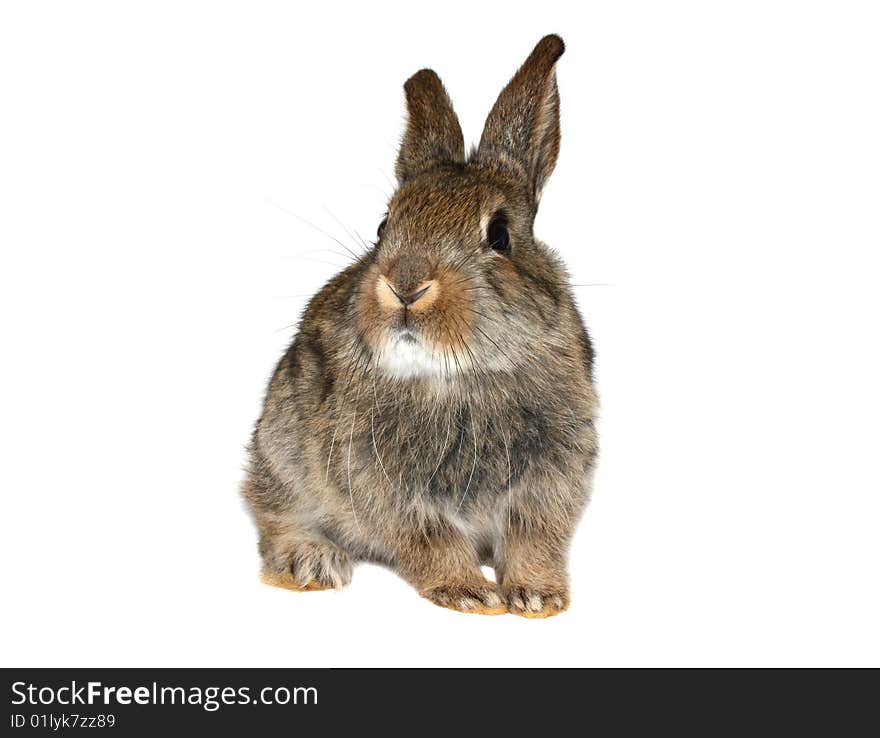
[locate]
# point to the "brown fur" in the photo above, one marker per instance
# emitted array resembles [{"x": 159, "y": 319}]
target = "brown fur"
[{"x": 455, "y": 431}]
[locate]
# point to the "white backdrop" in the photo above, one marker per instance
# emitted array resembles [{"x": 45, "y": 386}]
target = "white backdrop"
[{"x": 718, "y": 179}]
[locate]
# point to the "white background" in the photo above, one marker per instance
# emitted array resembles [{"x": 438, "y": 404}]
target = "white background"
[{"x": 719, "y": 174}]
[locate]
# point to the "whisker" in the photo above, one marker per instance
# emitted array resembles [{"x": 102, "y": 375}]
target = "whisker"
[
  {"x": 322, "y": 251},
  {"x": 373, "y": 431},
  {"x": 350, "y": 492},
  {"x": 285, "y": 328},
  {"x": 312, "y": 260},
  {"x": 509, "y": 490},
  {"x": 440, "y": 459},
  {"x": 332, "y": 441},
  {"x": 474, "y": 467},
  {"x": 477, "y": 288},
  {"x": 314, "y": 227},
  {"x": 492, "y": 341},
  {"x": 461, "y": 261},
  {"x": 482, "y": 314},
  {"x": 474, "y": 364},
  {"x": 452, "y": 347},
  {"x": 390, "y": 183},
  {"x": 347, "y": 232}
]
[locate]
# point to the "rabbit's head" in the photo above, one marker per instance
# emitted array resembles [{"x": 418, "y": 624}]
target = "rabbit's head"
[{"x": 457, "y": 284}]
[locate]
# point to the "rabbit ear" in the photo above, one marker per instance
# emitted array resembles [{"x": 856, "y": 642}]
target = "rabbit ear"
[
  {"x": 433, "y": 133},
  {"x": 523, "y": 126}
]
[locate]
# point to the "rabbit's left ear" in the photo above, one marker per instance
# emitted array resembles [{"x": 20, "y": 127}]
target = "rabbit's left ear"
[
  {"x": 433, "y": 133},
  {"x": 522, "y": 129}
]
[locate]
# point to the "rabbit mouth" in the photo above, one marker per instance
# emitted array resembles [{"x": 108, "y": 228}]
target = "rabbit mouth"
[{"x": 406, "y": 355}]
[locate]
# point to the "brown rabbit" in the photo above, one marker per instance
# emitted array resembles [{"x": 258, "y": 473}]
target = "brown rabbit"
[{"x": 435, "y": 411}]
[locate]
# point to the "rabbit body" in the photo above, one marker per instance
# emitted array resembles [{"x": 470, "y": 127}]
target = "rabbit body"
[{"x": 436, "y": 409}]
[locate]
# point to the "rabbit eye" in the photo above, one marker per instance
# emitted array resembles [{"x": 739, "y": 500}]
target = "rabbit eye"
[
  {"x": 381, "y": 229},
  {"x": 497, "y": 235}
]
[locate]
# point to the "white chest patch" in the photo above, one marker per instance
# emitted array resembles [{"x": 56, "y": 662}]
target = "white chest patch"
[{"x": 405, "y": 358}]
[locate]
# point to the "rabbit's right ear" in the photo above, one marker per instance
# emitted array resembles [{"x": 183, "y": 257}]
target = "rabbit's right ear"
[{"x": 433, "y": 133}]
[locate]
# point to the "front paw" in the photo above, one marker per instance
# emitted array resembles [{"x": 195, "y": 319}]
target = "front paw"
[
  {"x": 308, "y": 566},
  {"x": 481, "y": 598},
  {"x": 535, "y": 602}
]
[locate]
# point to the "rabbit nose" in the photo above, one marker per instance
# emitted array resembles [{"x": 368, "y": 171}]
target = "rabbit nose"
[
  {"x": 406, "y": 282},
  {"x": 392, "y": 297},
  {"x": 409, "y": 299}
]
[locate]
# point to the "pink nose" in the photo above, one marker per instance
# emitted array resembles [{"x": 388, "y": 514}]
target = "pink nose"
[
  {"x": 416, "y": 299},
  {"x": 410, "y": 298}
]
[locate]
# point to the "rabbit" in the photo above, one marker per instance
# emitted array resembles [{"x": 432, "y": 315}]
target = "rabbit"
[{"x": 436, "y": 410}]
